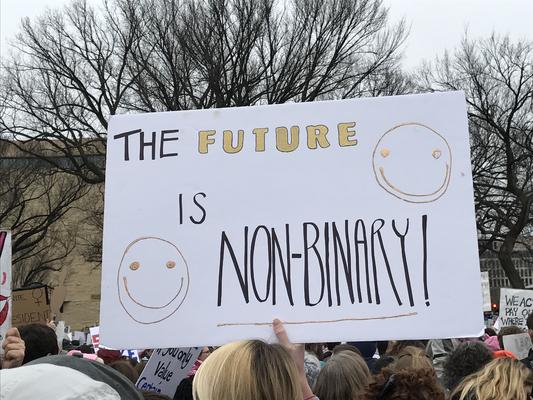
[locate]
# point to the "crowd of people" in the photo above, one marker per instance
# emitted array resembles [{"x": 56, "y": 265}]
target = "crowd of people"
[{"x": 35, "y": 367}]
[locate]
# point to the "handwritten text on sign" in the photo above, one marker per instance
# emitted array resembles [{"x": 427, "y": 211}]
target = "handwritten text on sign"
[
  {"x": 338, "y": 215},
  {"x": 515, "y": 306},
  {"x": 166, "y": 368}
]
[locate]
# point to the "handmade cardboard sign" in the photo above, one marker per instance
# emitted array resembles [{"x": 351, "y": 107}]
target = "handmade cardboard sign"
[
  {"x": 348, "y": 220},
  {"x": 518, "y": 344},
  {"x": 166, "y": 368},
  {"x": 5, "y": 283},
  {"x": 485, "y": 291},
  {"x": 31, "y": 306},
  {"x": 515, "y": 306}
]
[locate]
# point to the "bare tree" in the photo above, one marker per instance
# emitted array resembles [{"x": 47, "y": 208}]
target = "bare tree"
[
  {"x": 497, "y": 77},
  {"x": 76, "y": 67},
  {"x": 243, "y": 52},
  {"x": 67, "y": 76},
  {"x": 34, "y": 199}
]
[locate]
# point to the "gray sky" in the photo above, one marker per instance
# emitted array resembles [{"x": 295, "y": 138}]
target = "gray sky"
[{"x": 435, "y": 25}]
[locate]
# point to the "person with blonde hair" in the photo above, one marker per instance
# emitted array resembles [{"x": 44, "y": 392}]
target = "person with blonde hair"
[
  {"x": 253, "y": 369},
  {"x": 345, "y": 376},
  {"x": 501, "y": 379}
]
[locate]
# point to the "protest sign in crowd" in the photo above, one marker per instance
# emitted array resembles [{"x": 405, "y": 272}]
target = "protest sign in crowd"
[{"x": 232, "y": 236}]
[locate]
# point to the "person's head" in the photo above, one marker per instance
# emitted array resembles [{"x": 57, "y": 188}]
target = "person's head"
[
  {"x": 94, "y": 370},
  {"x": 412, "y": 384},
  {"x": 466, "y": 359},
  {"x": 396, "y": 347},
  {"x": 45, "y": 381},
  {"x": 126, "y": 369},
  {"x": 382, "y": 362},
  {"x": 315, "y": 348},
  {"x": 491, "y": 331},
  {"x": 508, "y": 330},
  {"x": 412, "y": 358},
  {"x": 204, "y": 353},
  {"x": 345, "y": 376},
  {"x": 249, "y": 369},
  {"x": 346, "y": 347},
  {"x": 529, "y": 323},
  {"x": 40, "y": 340},
  {"x": 502, "y": 379}
]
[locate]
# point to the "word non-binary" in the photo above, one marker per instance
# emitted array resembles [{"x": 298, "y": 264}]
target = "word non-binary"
[{"x": 329, "y": 252}]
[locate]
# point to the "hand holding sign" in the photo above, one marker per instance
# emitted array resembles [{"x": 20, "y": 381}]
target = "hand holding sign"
[
  {"x": 297, "y": 352},
  {"x": 14, "y": 348}
]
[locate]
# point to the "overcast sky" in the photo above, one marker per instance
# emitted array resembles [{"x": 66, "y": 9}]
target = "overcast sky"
[{"x": 435, "y": 25}]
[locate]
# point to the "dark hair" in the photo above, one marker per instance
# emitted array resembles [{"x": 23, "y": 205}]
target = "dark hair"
[
  {"x": 126, "y": 369},
  {"x": 40, "y": 340},
  {"x": 529, "y": 321},
  {"x": 346, "y": 347},
  {"x": 154, "y": 396},
  {"x": 491, "y": 332},
  {"x": 407, "y": 384},
  {"x": 508, "y": 330},
  {"x": 383, "y": 345},
  {"x": 184, "y": 390},
  {"x": 466, "y": 359},
  {"x": 382, "y": 362}
]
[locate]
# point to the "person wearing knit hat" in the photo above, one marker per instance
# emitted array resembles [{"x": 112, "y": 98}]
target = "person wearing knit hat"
[
  {"x": 52, "y": 382},
  {"x": 97, "y": 371}
]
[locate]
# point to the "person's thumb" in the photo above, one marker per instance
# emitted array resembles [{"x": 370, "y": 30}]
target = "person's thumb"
[{"x": 13, "y": 332}]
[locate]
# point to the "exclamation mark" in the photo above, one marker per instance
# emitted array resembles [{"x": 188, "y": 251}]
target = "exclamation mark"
[{"x": 424, "y": 235}]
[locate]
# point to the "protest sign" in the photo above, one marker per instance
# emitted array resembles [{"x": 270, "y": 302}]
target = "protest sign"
[
  {"x": 485, "y": 291},
  {"x": 166, "y": 368},
  {"x": 5, "y": 283},
  {"x": 518, "y": 344},
  {"x": 94, "y": 332},
  {"x": 348, "y": 220},
  {"x": 31, "y": 306},
  {"x": 515, "y": 306},
  {"x": 131, "y": 354}
]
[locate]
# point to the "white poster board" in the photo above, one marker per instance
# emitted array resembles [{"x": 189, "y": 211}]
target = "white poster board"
[
  {"x": 5, "y": 283},
  {"x": 166, "y": 368},
  {"x": 348, "y": 220},
  {"x": 515, "y": 306},
  {"x": 518, "y": 344},
  {"x": 485, "y": 291}
]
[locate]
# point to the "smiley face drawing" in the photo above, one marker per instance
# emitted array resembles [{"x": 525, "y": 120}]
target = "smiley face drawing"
[
  {"x": 152, "y": 280},
  {"x": 413, "y": 162}
]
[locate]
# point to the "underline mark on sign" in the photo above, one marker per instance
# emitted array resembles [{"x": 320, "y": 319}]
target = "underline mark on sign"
[{"x": 315, "y": 322}]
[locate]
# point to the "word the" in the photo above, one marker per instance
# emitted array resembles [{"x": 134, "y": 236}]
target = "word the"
[{"x": 152, "y": 144}]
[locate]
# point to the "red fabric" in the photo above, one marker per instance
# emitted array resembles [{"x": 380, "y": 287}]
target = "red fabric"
[
  {"x": 109, "y": 355},
  {"x": 504, "y": 353}
]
